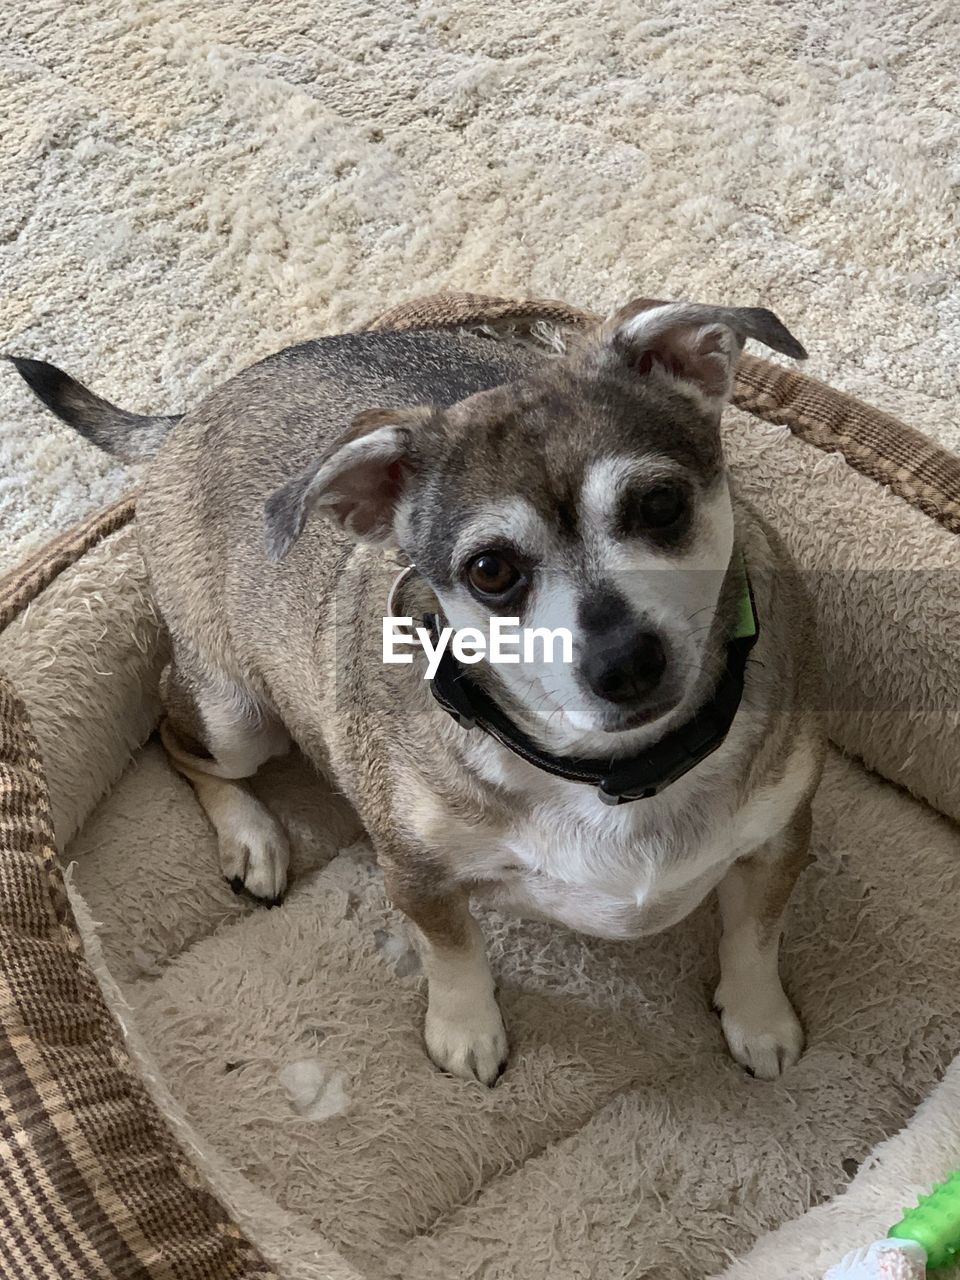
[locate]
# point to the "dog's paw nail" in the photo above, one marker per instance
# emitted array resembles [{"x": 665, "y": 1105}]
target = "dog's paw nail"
[
  {"x": 475, "y": 1050},
  {"x": 255, "y": 860},
  {"x": 764, "y": 1036}
]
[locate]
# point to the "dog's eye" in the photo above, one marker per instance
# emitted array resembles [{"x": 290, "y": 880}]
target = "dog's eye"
[
  {"x": 662, "y": 506},
  {"x": 662, "y": 513},
  {"x": 493, "y": 576}
]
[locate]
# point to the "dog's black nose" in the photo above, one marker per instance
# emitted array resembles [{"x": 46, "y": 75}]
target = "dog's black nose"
[{"x": 625, "y": 667}]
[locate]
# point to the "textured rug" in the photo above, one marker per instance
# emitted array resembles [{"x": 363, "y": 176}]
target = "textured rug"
[{"x": 188, "y": 187}]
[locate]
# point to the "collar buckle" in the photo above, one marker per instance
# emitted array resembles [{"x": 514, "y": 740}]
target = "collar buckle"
[{"x": 613, "y": 798}]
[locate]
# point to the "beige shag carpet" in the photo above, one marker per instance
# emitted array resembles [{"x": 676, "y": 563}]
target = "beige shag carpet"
[{"x": 187, "y": 187}]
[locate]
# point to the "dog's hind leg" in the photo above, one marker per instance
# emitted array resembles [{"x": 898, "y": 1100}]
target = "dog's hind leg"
[{"x": 218, "y": 734}]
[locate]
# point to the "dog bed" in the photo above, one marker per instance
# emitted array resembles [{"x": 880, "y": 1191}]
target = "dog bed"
[{"x": 193, "y": 1087}]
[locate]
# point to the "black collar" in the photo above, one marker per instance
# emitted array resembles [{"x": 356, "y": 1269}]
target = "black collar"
[{"x": 619, "y": 780}]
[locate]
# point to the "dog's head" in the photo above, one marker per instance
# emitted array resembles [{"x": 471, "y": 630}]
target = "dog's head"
[{"x": 592, "y": 497}]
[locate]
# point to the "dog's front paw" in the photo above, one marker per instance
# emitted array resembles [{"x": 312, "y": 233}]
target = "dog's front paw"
[
  {"x": 255, "y": 855},
  {"x": 762, "y": 1031},
  {"x": 472, "y": 1047}
]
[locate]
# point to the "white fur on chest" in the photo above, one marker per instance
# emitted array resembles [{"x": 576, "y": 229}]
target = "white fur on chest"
[
  {"x": 615, "y": 871},
  {"x": 619, "y": 871}
]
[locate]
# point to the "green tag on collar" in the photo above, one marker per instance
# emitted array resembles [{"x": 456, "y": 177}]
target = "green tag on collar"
[{"x": 745, "y": 624}]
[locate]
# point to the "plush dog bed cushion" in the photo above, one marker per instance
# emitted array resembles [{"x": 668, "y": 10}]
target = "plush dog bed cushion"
[
  {"x": 284, "y": 1046},
  {"x": 622, "y": 1133},
  {"x": 622, "y": 1136}
]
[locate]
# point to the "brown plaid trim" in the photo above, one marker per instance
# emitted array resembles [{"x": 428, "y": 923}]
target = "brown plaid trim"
[
  {"x": 445, "y": 310},
  {"x": 92, "y": 1182},
  {"x": 872, "y": 442}
]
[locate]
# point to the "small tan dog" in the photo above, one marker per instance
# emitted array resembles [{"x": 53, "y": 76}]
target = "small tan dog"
[{"x": 587, "y": 491}]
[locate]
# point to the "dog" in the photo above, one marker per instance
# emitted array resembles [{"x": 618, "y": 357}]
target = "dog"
[{"x": 676, "y": 753}]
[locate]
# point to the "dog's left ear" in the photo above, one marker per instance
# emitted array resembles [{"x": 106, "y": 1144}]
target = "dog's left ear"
[
  {"x": 357, "y": 483},
  {"x": 693, "y": 344}
]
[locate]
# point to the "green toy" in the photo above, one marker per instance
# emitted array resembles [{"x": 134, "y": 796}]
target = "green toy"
[
  {"x": 924, "y": 1239},
  {"x": 934, "y": 1223}
]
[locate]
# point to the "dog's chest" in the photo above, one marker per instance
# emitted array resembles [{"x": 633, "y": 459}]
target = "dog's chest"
[
  {"x": 617, "y": 871},
  {"x": 605, "y": 871},
  {"x": 553, "y": 849}
]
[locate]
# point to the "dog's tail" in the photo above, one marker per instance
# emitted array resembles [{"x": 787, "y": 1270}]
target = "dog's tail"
[{"x": 132, "y": 437}]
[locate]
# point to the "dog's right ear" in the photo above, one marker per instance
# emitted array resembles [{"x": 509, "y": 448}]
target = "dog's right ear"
[
  {"x": 694, "y": 346},
  {"x": 357, "y": 483}
]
